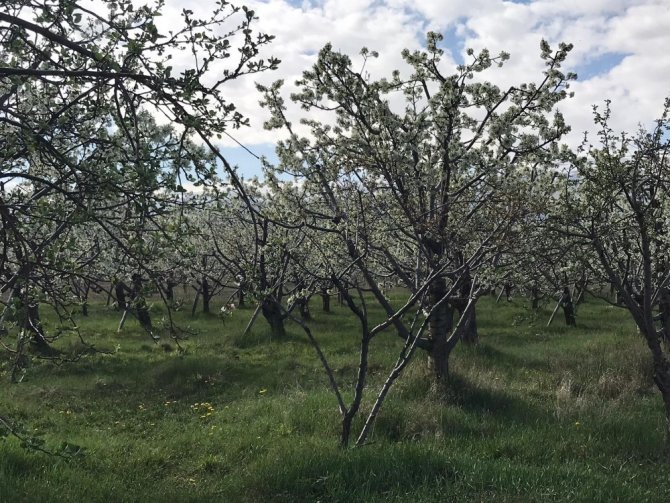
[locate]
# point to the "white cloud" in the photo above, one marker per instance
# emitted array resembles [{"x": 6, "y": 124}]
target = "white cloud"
[{"x": 635, "y": 29}]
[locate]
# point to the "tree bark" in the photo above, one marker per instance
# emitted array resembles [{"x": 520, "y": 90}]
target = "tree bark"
[
  {"x": 169, "y": 290},
  {"x": 508, "y": 291},
  {"x": 348, "y": 417},
  {"x": 195, "y": 301},
  {"x": 662, "y": 380},
  {"x": 273, "y": 315},
  {"x": 303, "y": 306},
  {"x": 120, "y": 290},
  {"x": 568, "y": 308},
  {"x": 661, "y": 369},
  {"x": 535, "y": 297},
  {"x": 440, "y": 325},
  {"x": 664, "y": 316},
  {"x": 325, "y": 301},
  {"x": 33, "y": 325},
  {"x": 470, "y": 334},
  {"x": 85, "y": 290},
  {"x": 206, "y": 295}
]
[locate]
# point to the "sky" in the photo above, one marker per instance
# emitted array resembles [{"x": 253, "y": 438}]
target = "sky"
[{"x": 621, "y": 50}]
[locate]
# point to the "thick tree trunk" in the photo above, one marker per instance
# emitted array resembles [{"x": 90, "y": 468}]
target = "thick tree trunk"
[
  {"x": 273, "y": 315},
  {"x": 325, "y": 301},
  {"x": 240, "y": 297},
  {"x": 440, "y": 326}
]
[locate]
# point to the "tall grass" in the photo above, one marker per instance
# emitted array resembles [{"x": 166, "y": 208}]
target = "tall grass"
[{"x": 532, "y": 414}]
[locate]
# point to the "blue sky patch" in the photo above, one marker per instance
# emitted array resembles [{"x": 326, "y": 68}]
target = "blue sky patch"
[
  {"x": 599, "y": 65},
  {"x": 248, "y": 166},
  {"x": 454, "y": 43}
]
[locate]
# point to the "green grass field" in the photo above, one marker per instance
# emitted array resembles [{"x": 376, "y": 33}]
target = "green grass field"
[{"x": 532, "y": 414}]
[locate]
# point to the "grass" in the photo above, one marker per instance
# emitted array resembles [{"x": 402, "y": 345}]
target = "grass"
[{"x": 532, "y": 414}]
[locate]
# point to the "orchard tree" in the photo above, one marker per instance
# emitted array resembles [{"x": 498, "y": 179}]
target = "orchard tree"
[
  {"x": 618, "y": 203},
  {"x": 255, "y": 252},
  {"x": 79, "y": 85},
  {"x": 426, "y": 190},
  {"x": 541, "y": 263}
]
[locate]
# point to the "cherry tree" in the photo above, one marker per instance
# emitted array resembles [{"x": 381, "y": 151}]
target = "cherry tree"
[
  {"x": 425, "y": 191},
  {"x": 80, "y": 87},
  {"x": 617, "y": 203}
]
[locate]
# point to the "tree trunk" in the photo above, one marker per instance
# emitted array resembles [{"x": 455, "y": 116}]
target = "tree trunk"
[
  {"x": 33, "y": 324},
  {"x": 303, "y": 306},
  {"x": 661, "y": 368},
  {"x": 325, "y": 301},
  {"x": 86, "y": 289},
  {"x": 535, "y": 297},
  {"x": 240, "y": 297},
  {"x": 143, "y": 316},
  {"x": 273, "y": 315},
  {"x": 662, "y": 380},
  {"x": 470, "y": 334},
  {"x": 206, "y": 295},
  {"x": 568, "y": 308},
  {"x": 169, "y": 290},
  {"x": 440, "y": 326},
  {"x": 195, "y": 301},
  {"x": 346, "y": 430},
  {"x": 664, "y": 316},
  {"x": 120, "y": 291},
  {"x": 508, "y": 291}
]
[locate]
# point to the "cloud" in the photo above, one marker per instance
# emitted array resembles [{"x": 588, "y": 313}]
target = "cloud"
[{"x": 620, "y": 46}]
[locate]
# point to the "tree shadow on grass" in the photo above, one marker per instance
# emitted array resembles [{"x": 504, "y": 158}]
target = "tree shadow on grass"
[
  {"x": 226, "y": 377},
  {"x": 498, "y": 403},
  {"x": 487, "y": 356}
]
